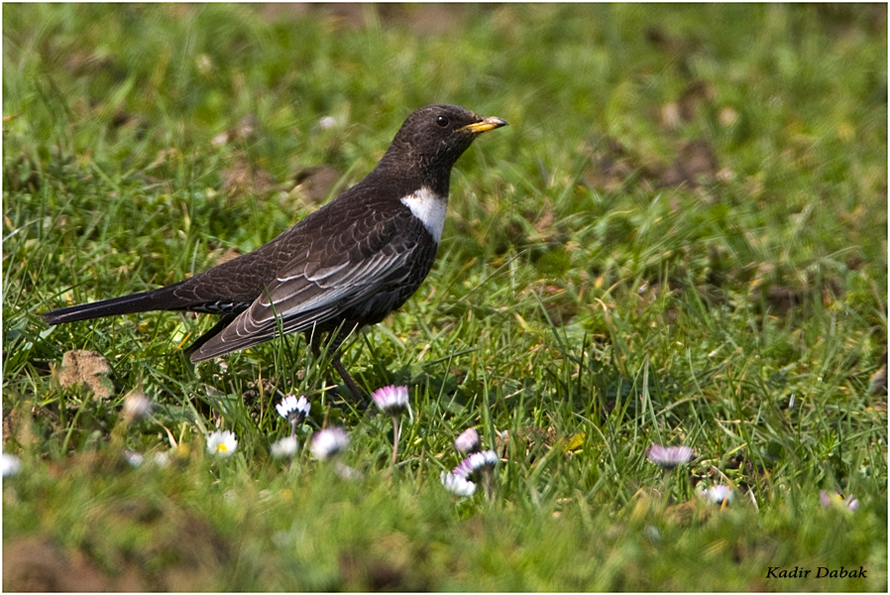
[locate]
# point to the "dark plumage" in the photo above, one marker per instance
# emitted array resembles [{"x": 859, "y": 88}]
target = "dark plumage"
[{"x": 345, "y": 266}]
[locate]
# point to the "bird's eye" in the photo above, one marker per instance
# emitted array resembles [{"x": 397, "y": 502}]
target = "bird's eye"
[{"x": 442, "y": 121}]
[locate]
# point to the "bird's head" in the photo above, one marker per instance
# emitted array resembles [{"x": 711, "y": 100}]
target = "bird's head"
[{"x": 433, "y": 137}]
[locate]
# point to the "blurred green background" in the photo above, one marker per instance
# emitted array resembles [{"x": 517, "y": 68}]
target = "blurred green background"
[{"x": 681, "y": 238}]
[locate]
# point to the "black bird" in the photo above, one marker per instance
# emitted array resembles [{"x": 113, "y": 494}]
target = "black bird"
[{"x": 344, "y": 266}]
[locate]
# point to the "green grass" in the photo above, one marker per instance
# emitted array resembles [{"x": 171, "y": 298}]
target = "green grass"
[{"x": 584, "y": 301}]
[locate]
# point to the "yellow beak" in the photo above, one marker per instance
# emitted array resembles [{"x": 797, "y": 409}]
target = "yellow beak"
[{"x": 483, "y": 126}]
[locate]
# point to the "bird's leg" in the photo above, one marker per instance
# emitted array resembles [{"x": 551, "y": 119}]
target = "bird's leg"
[
  {"x": 357, "y": 395},
  {"x": 314, "y": 342},
  {"x": 334, "y": 348},
  {"x": 341, "y": 336}
]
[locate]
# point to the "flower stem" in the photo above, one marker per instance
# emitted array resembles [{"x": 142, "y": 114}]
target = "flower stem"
[{"x": 395, "y": 440}]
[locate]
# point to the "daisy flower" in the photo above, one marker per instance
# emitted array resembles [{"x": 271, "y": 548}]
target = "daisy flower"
[
  {"x": 718, "y": 494},
  {"x": 393, "y": 400},
  {"x": 10, "y": 464},
  {"x": 133, "y": 458},
  {"x": 328, "y": 442},
  {"x": 285, "y": 448},
  {"x": 476, "y": 464},
  {"x": 838, "y": 500},
  {"x": 670, "y": 457},
  {"x": 457, "y": 485},
  {"x": 293, "y": 409},
  {"x": 468, "y": 441},
  {"x": 221, "y": 443},
  {"x": 136, "y": 406}
]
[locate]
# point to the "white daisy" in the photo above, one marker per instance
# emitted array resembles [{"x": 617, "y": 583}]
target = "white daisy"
[
  {"x": 222, "y": 443},
  {"x": 457, "y": 485},
  {"x": 136, "y": 406},
  {"x": 134, "y": 459},
  {"x": 718, "y": 494},
  {"x": 161, "y": 459},
  {"x": 347, "y": 472},
  {"x": 285, "y": 448},
  {"x": 293, "y": 409},
  {"x": 9, "y": 464},
  {"x": 327, "y": 122},
  {"x": 329, "y": 442}
]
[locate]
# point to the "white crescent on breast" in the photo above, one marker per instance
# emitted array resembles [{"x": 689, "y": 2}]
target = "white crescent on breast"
[{"x": 430, "y": 208}]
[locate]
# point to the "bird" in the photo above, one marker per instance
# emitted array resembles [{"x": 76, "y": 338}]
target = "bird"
[{"x": 345, "y": 266}]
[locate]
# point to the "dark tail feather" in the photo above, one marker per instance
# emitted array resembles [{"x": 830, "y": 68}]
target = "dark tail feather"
[
  {"x": 157, "y": 299},
  {"x": 220, "y": 325}
]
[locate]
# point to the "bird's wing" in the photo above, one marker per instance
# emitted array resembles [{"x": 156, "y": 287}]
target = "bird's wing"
[{"x": 330, "y": 276}]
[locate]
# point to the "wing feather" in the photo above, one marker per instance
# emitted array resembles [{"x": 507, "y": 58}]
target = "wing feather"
[{"x": 319, "y": 291}]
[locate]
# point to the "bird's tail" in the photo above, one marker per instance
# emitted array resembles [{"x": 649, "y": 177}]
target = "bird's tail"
[{"x": 156, "y": 299}]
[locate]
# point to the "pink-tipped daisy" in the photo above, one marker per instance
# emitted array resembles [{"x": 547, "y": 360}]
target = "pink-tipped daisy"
[
  {"x": 392, "y": 400},
  {"x": 670, "y": 457},
  {"x": 479, "y": 466},
  {"x": 476, "y": 464},
  {"x": 468, "y": 441},
  {"x": 837, "y": 500}
]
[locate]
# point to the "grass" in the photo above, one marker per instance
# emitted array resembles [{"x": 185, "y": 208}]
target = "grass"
[{"x": 680, "y": 239}]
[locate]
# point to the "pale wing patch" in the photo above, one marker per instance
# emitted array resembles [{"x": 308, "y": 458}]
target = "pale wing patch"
[{"x": 429, "y": 207}]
